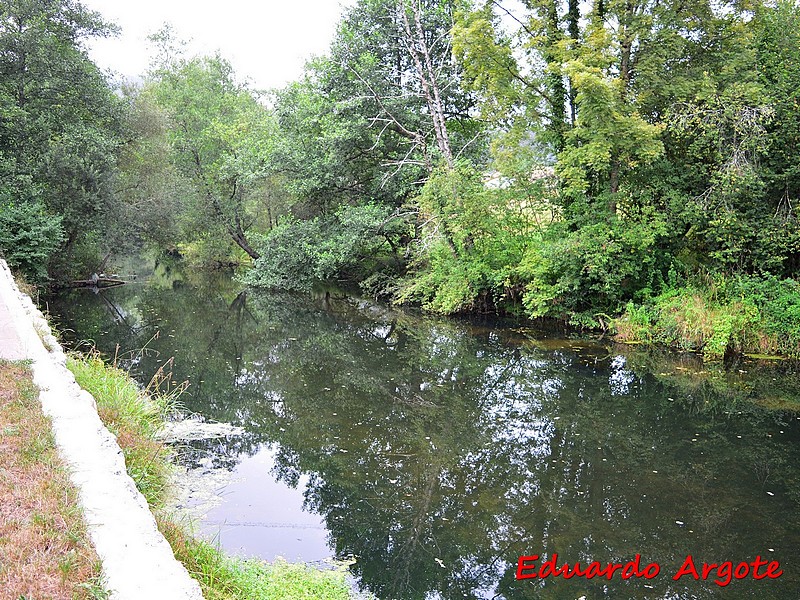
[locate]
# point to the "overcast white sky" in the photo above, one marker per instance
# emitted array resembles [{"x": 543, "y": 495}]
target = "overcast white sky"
[{"x": 267, "y": 41}]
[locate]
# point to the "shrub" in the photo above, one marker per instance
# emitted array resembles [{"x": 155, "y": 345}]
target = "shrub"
[
  {"x": 469, "y": 252},
  {"x": 296, "y": 254},
  {"x": 719, "y": 315},
  {"x": 580, "y": 274},
  {"x": 28, "y": 236}
]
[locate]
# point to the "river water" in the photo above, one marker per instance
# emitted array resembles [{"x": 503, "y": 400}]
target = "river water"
[{"x": 432, "y": 453}]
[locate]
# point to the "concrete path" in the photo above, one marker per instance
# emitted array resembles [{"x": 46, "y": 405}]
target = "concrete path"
[
  {"x": 138, "y": 563},
  {"x": 10, "y": 342}
]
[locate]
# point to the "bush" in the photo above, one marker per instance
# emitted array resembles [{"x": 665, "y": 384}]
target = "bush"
[
  {"x": 716, "y": 316},
  {"x": 580, "y": 274},
  {"x": 468, "y": 255},
  {"x": 296, "y": 254},
  {"x": 28, "y": 237},
  {"x": 778, "y": 302}
]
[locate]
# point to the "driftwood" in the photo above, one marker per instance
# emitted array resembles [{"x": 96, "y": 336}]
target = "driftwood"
[{"x": 100, "y": 282}]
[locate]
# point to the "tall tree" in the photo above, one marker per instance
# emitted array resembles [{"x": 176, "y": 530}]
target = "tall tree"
[
  {"x": 396, "y": 58},
  {"x": 152, "y": 194},
  {"x": 372, "y": 121},
  {"x": 777, "y": 46},
  {"x": 595, "y": 80},
  {"x": 219, "y": 134},
  {"x": 60, "y": 125}
]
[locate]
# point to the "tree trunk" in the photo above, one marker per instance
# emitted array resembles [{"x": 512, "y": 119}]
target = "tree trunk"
[
  {"x": 420, "y": 53},
  {"x": 614, "y": 186},
  {"x": 237, "y": 233},
  {"x": 558, "y": 91},
  {"x": 625, "y": 75},
  {"x": 573, "y": 26}
]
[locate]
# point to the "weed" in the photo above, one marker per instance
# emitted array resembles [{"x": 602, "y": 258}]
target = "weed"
[
  {"x": 27, "y": 288},
  {"x": 222, "y": 577},
  {"x": 720, "y": 316},
  {"x": 95, "y": 588}
]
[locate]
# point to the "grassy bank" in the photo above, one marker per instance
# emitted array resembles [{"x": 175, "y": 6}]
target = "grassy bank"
[
  {"x": 134, "y": 417},
  {"x": 45, "y": 551},
  {"x": 718, "y": 316}
]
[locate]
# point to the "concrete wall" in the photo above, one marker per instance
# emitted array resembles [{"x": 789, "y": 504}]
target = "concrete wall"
[{"x": 138, "y": 563}]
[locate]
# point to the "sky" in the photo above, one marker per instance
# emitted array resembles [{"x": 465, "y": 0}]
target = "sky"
[{"x": 267, "y": 41}]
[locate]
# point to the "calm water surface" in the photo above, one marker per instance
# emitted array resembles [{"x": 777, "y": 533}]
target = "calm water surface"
[{"x": 434, "y": 452}]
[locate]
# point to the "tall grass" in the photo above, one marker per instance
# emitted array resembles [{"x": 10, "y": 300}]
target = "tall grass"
[
  {"x": 132, "y": 415},
  {"x": 746, "y": 315},
  {"x": 223, "y": 577}
]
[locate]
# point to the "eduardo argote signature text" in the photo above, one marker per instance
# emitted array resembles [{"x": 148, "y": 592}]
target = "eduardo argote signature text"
[{"x": 722, "y": 573}]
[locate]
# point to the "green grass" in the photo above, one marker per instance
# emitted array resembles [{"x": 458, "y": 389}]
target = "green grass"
[
  {"x": 135, "y": 416},
  {"x": 223, "y": 577},
  {"x": 744, "y": 314}
]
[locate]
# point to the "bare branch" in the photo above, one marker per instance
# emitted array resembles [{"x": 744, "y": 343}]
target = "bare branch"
[{"x": 398, "y": 126}]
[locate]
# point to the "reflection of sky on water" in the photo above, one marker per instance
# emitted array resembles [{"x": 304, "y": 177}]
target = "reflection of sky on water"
[
  {"x": 621, "y": 378},
  {"x": 265, "y": 517},
  {"x": 437, "y": 452}
]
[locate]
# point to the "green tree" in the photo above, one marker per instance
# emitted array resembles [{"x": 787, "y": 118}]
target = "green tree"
[
  {"x": 327, "y": 154},
  {"x": 28, "y": 236},
  {"x": 370, "y": 123},
  {"x": 353, "y": 241},
  {"x": 777, "y": 47},
  {"x": 655, "y": 121},
  {"x": 395, "y": 57},
  {"x": 621, "y": 63},
  {"x": 609, "y": 136},
  {"x": 382, "y": 110},
  {"x": 60, "y": 120},
  {"x": 152, "y": 193},
  {"x": 220, "y": 136}
]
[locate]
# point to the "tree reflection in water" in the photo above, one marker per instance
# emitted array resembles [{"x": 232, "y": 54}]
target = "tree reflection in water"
[{"x": 439, "y": 451}]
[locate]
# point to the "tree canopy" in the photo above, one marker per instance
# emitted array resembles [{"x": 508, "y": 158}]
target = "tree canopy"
[
  {"x": 554, "y": 159},
  {"x": 59, "y": 131}
]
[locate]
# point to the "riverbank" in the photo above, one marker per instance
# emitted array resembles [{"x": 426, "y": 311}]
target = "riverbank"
[
  {"x": 714, "y": 314},
  {"x": 119, "y": 522},
  {"x": 45, "y": 550},
  {"x": 719, "y": 317},
  {"x": 136, "y": 419}
]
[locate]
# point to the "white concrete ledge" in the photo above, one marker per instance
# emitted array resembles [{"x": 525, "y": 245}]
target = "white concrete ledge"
[{"x": 138, "y": 563}]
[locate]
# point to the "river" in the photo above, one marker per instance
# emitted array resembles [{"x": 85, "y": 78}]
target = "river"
[{"x": 432, "y": 453}]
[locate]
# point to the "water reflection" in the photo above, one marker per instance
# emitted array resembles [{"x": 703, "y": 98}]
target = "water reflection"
[
  {"x": 252, "y": 523},
  {"x": 437, "y": 452}
]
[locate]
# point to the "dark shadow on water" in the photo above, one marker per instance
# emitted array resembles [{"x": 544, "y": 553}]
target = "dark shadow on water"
[{"x": 436, "y": 451}]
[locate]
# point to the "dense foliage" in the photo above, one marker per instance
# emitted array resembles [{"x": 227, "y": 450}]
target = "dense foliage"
[
  {"x": 59, "y": 128},
  {"x": 578, "y": 161}
]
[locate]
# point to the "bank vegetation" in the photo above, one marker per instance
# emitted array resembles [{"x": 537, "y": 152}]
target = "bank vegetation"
[{"x": 135, "y": 416}]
